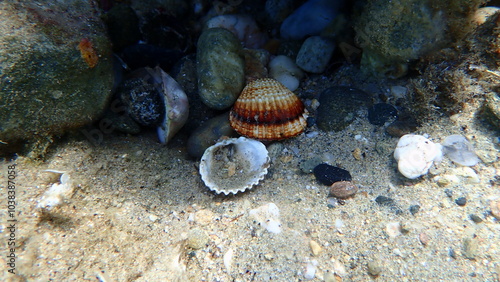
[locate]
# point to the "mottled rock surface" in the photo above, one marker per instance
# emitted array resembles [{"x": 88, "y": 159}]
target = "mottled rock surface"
[{"x": 56, "y": 69}]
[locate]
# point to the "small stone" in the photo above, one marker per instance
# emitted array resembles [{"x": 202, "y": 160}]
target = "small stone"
[
  {"x": 197, "y": 238},
  {"x": 399, "y": 128},
  {"x": 310, "y": 271},
  {"x": 328, "y": 174},
  {"x": 452, "y": 253},
  {"x": 475, "y": 218},
  {"x": 307, "y": 166},
  {"x": 357, "y": 154},
  {"x": 470, "y": 248},
  {"x": 315, "y": 53},
  {"x": 315, "y": 247},
  {"x": 462, "y": 201},
  {"x": 466, "y": 175},
  {"x": 393, "y": 229},
  {"x": 424, "y": 238},
  {"x": 414, "y": 209},
  {"x": 495, "y": 208},
  {"x": 374, "y": 268},
  {"x": 343, "y": 189},
  {"x": 339, "y": 268},
  {"x": 203, "y": 217}
]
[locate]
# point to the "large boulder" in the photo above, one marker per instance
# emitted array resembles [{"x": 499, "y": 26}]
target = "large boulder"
[{"x": 56, "y": 69}]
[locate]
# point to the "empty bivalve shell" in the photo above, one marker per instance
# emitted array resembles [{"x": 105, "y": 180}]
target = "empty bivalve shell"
[
  {"x": 234, "y": 165},
  {"x": 266, "y": 110}
]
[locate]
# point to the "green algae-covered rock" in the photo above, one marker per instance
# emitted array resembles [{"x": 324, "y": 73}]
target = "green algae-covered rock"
[
  {"x": 55, "y": 67},
  {"x": 220, "y": 68}
]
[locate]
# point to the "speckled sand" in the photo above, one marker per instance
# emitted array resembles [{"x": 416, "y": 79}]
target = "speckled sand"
[{"x": 138, "y": 208}]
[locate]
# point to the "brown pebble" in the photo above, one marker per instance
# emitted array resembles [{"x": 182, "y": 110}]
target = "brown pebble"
[
  {"x": 424, "y": 239},
  {"x": 357, "y": 154},
  {"x": 400, "y": 128},
  {"x": 343, "y": 189}
]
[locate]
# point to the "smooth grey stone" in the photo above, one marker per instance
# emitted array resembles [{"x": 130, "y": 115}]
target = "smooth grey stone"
[
  {"x": 220, "y": 68},
  {"x": 315, "y": 54}
]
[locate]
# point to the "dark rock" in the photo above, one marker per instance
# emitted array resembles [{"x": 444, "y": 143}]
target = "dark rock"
[
  {"x": 327, "y": 174},
  {"x": 381, "y": 113},
  {"x": 462, "y": 201},
  {"x": 414, "y": 209},
  {"x": 475, "y": 218},
  {"x": 338, "y": 107},
  {"x": 142, "y": 101}
]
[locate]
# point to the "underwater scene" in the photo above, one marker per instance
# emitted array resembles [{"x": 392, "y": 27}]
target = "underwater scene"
[{"x": 238, "y": 140}]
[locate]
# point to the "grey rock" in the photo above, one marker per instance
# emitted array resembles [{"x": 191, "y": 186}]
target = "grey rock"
[
  {"x": 48, "y": 84},
  {"x": 220, "y": 68},
  {"x": 315, "y": 54}
]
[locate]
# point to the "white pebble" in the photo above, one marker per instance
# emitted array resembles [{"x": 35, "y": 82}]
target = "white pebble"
[
  {"x": 310, "y": 271},
  {"x": 416, "y": 154}
]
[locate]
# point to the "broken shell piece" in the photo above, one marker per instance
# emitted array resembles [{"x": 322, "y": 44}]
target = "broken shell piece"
[
  {"x": 234, "y": 165},
  {"x": 57, "y": 193},
  {"x": 175, "y": 101},
  {"x": 459, "y": 150},
  {"x": 416, "y": 154}
]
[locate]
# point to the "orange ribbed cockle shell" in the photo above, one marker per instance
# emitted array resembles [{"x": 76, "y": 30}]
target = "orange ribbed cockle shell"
[{"x": 267, "y": 110}]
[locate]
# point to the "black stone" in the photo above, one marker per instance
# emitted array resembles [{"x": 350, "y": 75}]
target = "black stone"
[
  {"x": 381, "y": 113},
  {"x": 338, "y": 107},
  {"x": 142, "y": 101},
  {"x": 328, "y": 174},
  {"x": 475, "y": 218},
  {"x": 462, "y": 201},
  {"x": 414, "y": 209},
  {"x": 452, "y": 253}
]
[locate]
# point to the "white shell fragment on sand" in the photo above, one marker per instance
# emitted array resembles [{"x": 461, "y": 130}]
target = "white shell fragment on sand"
[
  {"x": 458, "y": 149},
  {"x": 234, "y": 165},
  {"x": 416, "y": 154},
  {"x": 57, "y": 193},
  {"x": 268, "y": 216}
]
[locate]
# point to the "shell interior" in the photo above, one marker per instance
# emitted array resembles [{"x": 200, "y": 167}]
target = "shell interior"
[
  {"x": 234, "y": 165},
  {"x": 267, "y": 110}
]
